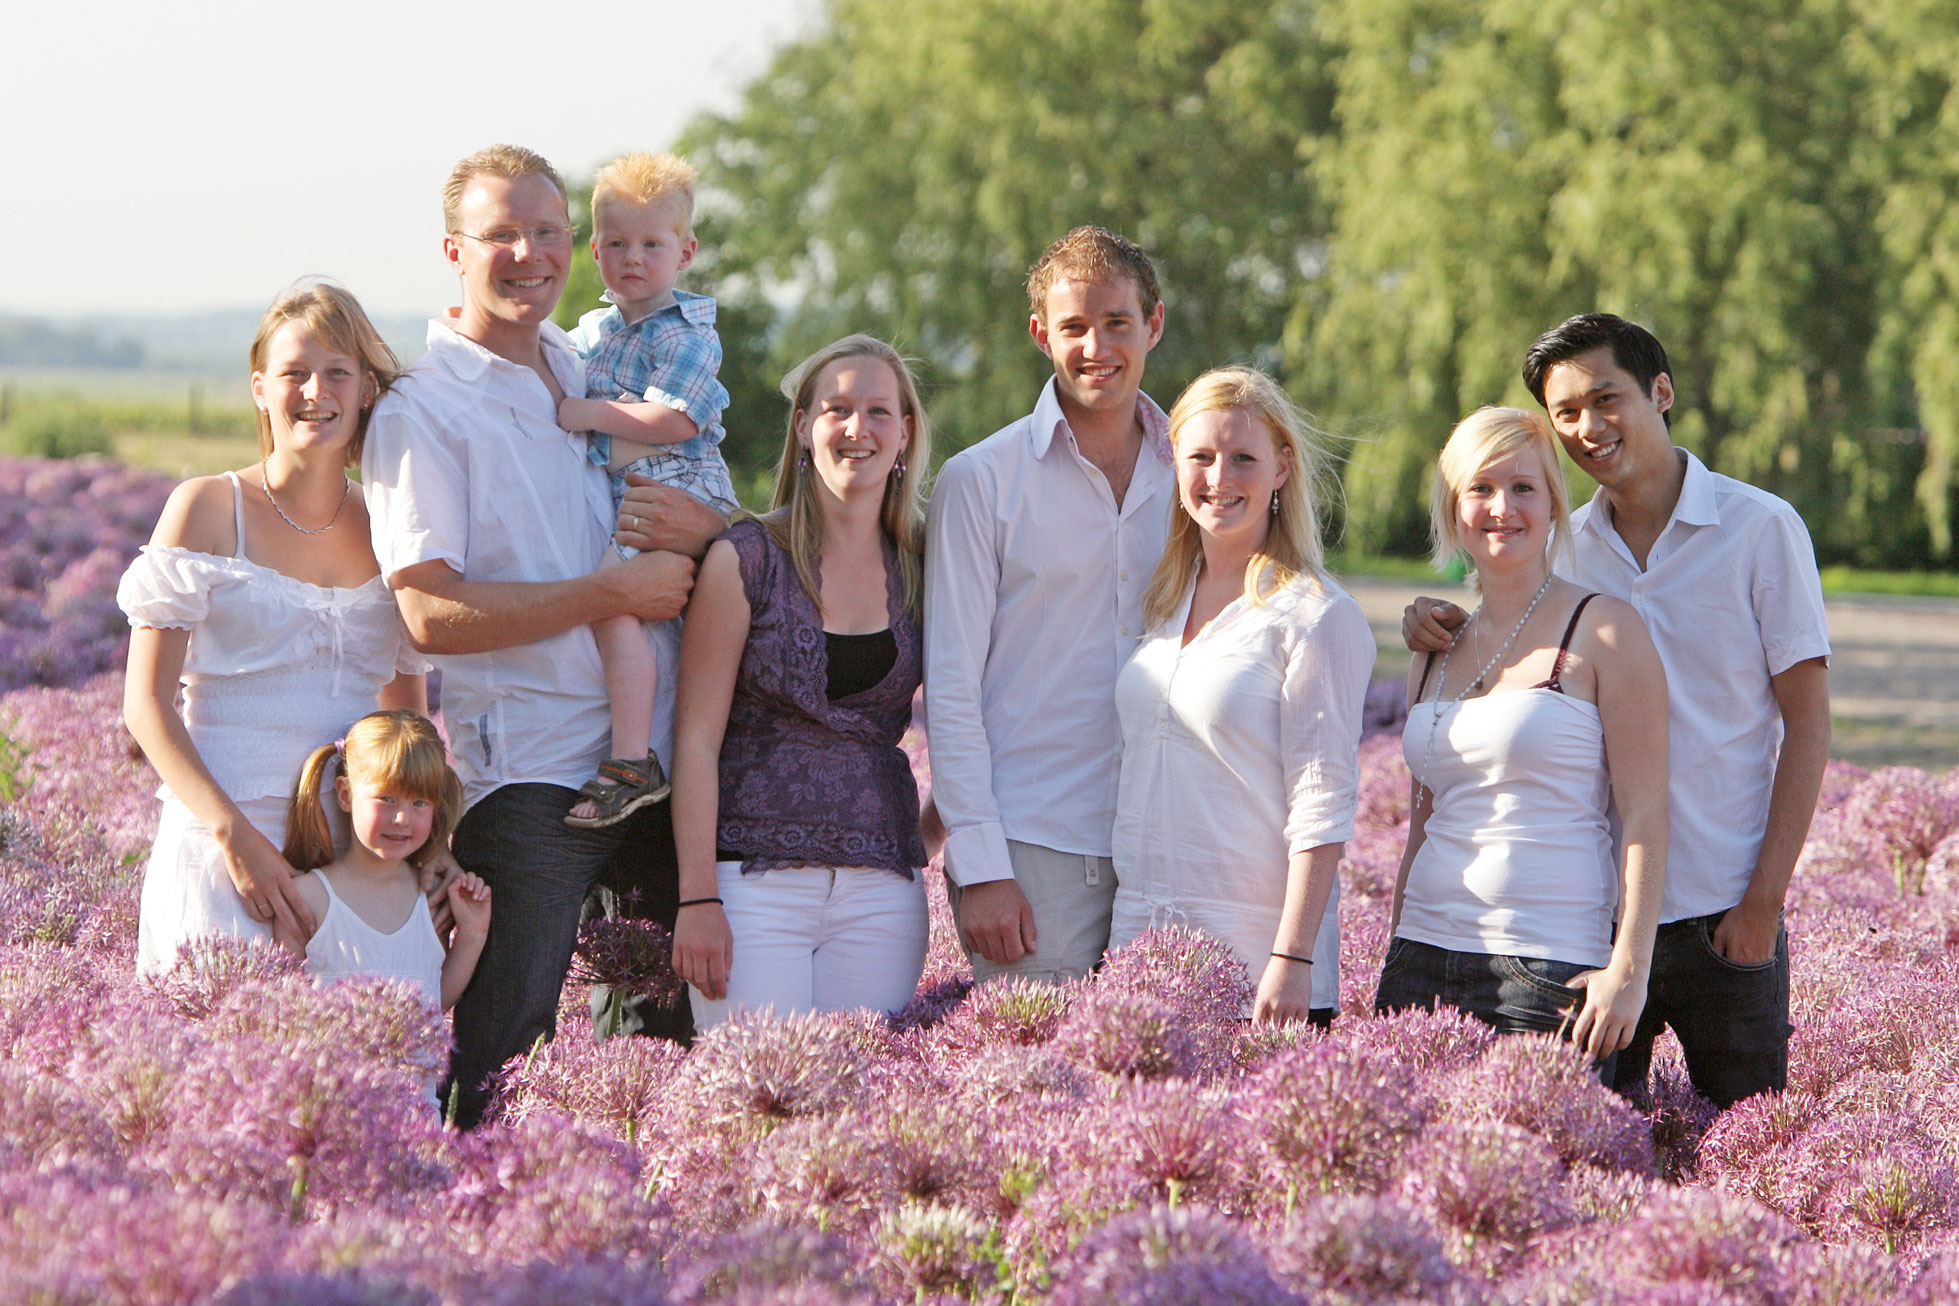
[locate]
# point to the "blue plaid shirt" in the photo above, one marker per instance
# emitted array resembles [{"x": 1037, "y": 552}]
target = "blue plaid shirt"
[{"x": 671, "y": 356}]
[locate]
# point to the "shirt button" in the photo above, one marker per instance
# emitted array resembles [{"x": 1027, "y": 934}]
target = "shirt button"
[
  {"x": 1125, "y": 630},
  {"x": 1125, "y": 575}
]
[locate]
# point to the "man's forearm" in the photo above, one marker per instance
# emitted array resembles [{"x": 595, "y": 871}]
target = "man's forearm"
[
  {"x": 446, "y": 614},
  {"x": 1803, "y": 695}
]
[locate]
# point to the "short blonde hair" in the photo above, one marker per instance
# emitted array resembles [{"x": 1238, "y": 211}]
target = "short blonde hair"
[
  {"x": 1292, "y": 542},
  {"x": 507, "y": 161},
  {"x": 1486, "y": 436},
  {"x": 647, "y": 179}
]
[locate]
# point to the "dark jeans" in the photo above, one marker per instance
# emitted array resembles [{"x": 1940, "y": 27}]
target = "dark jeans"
[
  {"x": 1512, "y": 995},
  {"x": 1732, "y": 1021},
  {"x": 539, "y": 870}
]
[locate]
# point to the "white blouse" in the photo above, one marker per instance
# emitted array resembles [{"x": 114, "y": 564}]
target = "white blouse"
[
  {"x": 1238, "y": 750},
  {"x": 276, "y": 666}
]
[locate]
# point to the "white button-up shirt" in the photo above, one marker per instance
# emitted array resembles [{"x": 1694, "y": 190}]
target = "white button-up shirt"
[
  {"x": 1239, "y": 750},
  {"x": 465, "y": 464},
  {"x": 1731, "y": 597},
  {"x": 1033, "y": 601}
]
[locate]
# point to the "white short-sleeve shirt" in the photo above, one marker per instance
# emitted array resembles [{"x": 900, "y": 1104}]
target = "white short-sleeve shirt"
[
  {"x": 1731, "y": 597},
  {"x": 465, "y": 464}
]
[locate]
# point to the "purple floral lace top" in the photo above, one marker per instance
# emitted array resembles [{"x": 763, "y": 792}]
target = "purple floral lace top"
[{"x": 806, "y": 781}]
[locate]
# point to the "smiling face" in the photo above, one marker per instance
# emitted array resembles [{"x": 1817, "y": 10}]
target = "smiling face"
[
  {"x": 510, "y": 277},
  {"x": 855, "y": 426},
  {"x": 1504, "y": 512},
  {"x": 1228, "y": 466},
  {"x": 1098, "y": 337},
  {"x": 311, "y": 394},
  {"x": 1611, "y": 427},
  {"x": 641, "y": 250},
  {"x": 388, "y": 823}
]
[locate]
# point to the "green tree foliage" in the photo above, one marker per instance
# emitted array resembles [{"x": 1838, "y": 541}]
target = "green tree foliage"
[{"x": 1385, "y": 201}]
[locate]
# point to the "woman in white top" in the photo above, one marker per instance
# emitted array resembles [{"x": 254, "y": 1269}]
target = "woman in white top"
[
  {"x": 1241, "y": 710},
  {"x": 259, "y": 594},
  {"x": 1549, "y": 707}
]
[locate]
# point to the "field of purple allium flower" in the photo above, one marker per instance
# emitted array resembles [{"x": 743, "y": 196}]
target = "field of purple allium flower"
[
  {"x": 231, "y": 1133},
  {"x": 67, "y": 530}
]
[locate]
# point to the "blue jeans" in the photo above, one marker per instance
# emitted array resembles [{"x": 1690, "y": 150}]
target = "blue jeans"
[
  {"x": 1512, "y": 995},
  {"x": 539, "y": 870},
  {"x": 1732, "y": 1020}
]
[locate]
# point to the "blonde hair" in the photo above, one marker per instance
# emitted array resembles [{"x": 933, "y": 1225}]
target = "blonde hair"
[
  {"x": 797, "y": 523},
  {"x": 1092, "y": 254},
  {"x": 332, "y": 316},
  {"x": 506, "y": 161},
  {"x": 647, "y": 179},
  {"x": 1292, "y": 542},
  {"x": 398, "y": 749},
  {"x": 1486, "y": 436}
]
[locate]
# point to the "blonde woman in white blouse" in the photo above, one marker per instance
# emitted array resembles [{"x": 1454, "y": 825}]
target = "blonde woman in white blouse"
[{"x": 1241, "y": 709}]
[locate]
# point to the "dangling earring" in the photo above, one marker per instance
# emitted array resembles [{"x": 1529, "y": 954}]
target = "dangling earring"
[
  {"x": 1275, "y": 503},
  {"x": 802, "y": 459},
  {"x": 898, "y": 468}
]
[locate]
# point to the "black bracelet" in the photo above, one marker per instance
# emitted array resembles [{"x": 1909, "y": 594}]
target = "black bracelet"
[
  {"x": 695, "y": 902},
  {"x": 1286, "y": 956}
]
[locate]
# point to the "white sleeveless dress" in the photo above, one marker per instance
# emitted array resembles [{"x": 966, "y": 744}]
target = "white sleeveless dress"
[
  {"x": 345, "y": 947},
  {"x": 276, "y": 667}
]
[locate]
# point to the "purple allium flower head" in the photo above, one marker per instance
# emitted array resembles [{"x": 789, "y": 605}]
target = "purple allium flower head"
[
  {"x": 1162, "y": 1256},
  {"x": 770, "y": 1068},
  {"x": 1878, "y": 1177},
  {"x": 631, "y": 957},
  {"x": 1014, "y": 1010},
  {"x": 1128, "y": 1035},
  {"x": 1171, "y": 1141},
  {"x": 924, "y": 1249},
  {"x": 619, "y": 1085},
  {"x": 1424, "y": 1041},
  {"x": 1491, "y": 1184},
  {"x": 551, "y": 1189},
  {"x": 761, "y": 1258},
  {"x": 1362, "y": 1248},
  {"x": 1332, "y": 1116},
  {"x": 578, "y": 1281},
  {"x": 1547, "y": 1087},
  {"x": 1194, "y": 973},
  {"x": 209, "y": 969}
]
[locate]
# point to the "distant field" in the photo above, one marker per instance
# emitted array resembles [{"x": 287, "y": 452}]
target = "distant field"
[{"x": 224, "y": 390}]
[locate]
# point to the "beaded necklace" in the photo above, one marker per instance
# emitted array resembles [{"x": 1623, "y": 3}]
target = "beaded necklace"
[{"x": 1442, "y": 675}]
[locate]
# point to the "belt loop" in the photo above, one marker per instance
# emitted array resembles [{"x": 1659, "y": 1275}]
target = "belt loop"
[{"x": 1092, "y": 866}]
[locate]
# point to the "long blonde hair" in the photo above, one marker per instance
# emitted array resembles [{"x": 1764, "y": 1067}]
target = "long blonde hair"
[
  {"x": 399, "y": 749},
  {"x": 1292, "y": 543},
  {"x": 332, "y": 316},
  {"x": 797, "y": 523}
]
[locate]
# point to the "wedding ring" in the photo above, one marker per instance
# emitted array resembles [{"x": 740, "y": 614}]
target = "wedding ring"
[{"x": 632, "y": 522}]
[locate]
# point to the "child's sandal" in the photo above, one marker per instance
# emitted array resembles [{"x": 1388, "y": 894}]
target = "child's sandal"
[{"x": 621, "y": 788}]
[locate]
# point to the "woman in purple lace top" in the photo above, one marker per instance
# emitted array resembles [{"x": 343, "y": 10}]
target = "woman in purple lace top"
[{"x": 795, "y": 814}]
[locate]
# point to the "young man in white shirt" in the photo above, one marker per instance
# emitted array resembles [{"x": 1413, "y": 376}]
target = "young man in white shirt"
[
  {"x": 489, "y": 523},
  {"x": 1724, "y": 576},
  {"x": 1040, "y": 541}
]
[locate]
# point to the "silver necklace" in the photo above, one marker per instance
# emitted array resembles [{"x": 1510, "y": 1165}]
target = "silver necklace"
[
  {"x": 347, "y": 488},
  {"x": 1442, "y": 673}
]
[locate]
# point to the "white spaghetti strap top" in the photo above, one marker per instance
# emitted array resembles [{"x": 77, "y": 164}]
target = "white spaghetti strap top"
[{"x": 346, "y": 947}]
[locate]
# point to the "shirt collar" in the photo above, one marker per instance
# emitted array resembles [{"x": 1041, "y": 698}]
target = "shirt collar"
[
  {"x": 695, "y": 309},
  {"x": 1048, "y": 421},
  {"x": 469, "y": 360},
  {"x": 1698, "y": 504}
]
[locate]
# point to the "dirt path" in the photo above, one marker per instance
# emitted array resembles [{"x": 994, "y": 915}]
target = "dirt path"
[{"x": 1894, "y": 673}]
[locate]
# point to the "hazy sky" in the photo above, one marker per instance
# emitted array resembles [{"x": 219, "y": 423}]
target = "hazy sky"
[{"x": 165, "y": 158}]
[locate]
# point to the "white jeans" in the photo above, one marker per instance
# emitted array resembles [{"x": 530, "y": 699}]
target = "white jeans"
[{"x": 818, "y": 939}]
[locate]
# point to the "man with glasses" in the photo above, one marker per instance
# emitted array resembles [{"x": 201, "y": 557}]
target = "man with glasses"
[{"x": 490, "y": 523}]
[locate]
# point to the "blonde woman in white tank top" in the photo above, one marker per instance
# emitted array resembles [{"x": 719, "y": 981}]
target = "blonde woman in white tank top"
[{"x": 1512, "y": 902}]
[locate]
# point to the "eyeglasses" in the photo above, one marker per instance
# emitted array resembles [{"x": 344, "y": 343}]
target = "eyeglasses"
[{"x": 507, "y": 237}]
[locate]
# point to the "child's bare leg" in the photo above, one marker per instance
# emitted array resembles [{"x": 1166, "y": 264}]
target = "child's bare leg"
[{"x": 631, "y": 683}]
